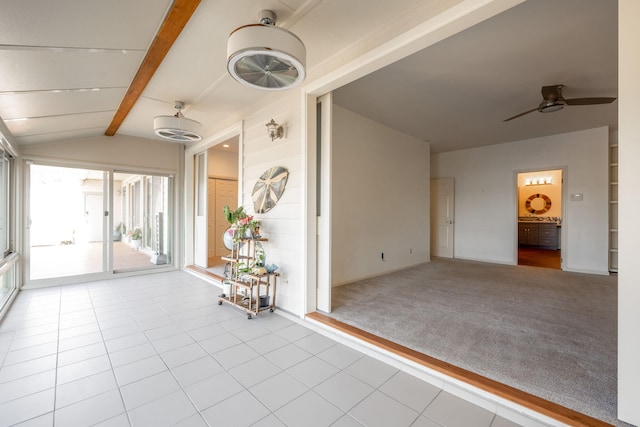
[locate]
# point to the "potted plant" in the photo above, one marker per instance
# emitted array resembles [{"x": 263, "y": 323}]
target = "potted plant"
[
  {"x": 135, "y": 237},
  {"x": 246, "y": 226},
  {"x": 117, "y": 233},
  {"x": 233, "y": 216},
  {"x": 254, "y": 226},
  {"x": 242, "y": 225}
]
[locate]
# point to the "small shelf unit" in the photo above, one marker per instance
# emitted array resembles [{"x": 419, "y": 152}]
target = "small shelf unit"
[{"x": 250, "y": 292}]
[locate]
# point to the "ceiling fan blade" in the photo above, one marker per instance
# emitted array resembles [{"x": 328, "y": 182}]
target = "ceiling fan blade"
[
  {"x": 521, "y": 114},
  {"x": 589, "y": 101}
]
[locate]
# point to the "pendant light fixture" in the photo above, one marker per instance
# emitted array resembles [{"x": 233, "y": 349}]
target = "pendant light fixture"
[
  {"x": 263, "y": 56},
  {"x": 177, "y": 128}
]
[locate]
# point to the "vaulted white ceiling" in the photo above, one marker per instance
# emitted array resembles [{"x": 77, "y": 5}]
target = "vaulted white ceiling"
[{"x": 66, "y": 65}]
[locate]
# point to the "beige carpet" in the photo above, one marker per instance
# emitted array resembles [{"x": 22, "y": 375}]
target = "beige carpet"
[{"x": 547, "y": 332}]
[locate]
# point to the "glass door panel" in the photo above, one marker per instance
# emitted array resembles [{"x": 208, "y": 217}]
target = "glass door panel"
[
  {"x": 66, "y": 222},
  {"x": 70, "y": 231},
  {"x": 145, "y": 215}
]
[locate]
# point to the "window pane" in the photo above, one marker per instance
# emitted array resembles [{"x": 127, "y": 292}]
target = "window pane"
[
  {"x": 7, "y": 284},
  {"x": 146, "y": 216},
  {"x": 4, "y": 205}
]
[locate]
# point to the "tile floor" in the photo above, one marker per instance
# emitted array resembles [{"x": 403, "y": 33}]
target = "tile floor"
[
  {"x": 158, "y": 350},
  {"x": 86, "y": 258}
]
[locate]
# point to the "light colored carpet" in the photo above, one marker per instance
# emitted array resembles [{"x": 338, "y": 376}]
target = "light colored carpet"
[{"x": 547, "y": 332}]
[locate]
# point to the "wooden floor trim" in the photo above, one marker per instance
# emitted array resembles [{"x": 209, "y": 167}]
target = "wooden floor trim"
[
  {"x": 201, "y": 271},
  {"x": 537, "y": 404}
]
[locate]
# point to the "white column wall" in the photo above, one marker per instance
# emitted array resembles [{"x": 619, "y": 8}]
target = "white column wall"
[
  {"x": 485, "y": 196},
  {"x": 629, "y": 178},
  {"x": 282, "y": 225}
]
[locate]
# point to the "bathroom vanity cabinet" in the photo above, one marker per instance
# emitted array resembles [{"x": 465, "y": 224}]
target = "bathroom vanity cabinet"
[{"x": 542, "y": 234}]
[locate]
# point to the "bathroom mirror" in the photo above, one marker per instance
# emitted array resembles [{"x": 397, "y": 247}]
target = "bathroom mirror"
[{"x": 538, "y": 203}]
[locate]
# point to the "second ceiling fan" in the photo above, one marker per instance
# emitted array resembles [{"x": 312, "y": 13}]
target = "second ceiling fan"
[{"x": 554, "y": 101}]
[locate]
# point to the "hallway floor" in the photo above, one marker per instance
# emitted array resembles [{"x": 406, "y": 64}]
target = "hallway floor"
[
  {"x": 536, "y": 257},
  {"x": 74, "y": 260},
  {"x": 158, "y": 350}
]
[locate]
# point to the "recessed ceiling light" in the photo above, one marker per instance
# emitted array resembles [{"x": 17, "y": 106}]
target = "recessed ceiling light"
[{"x": 225, "y": 145}]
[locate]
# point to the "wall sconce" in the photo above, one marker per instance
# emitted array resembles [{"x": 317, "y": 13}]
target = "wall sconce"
[{"x": 274, "y": 130}]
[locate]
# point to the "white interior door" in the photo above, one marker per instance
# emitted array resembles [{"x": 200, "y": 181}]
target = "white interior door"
[
  {"x": 94, "y": 216},
  {"x": 201, "y": 236},
  {"x": 323, "y": 203},
  {"x": 442, "y": 224}
]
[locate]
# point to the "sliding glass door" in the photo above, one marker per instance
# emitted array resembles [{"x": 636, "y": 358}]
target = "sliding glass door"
[
  {"x": 8, "y": 258},
  {"x": 91, "y": 222},
  {"x": 143, "y": 212},
  {"x": 66, "y": 222}
]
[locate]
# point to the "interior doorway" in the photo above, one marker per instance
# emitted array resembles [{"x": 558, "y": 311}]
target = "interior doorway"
[
  {"x": 215, "y": 185},
  {"x": 442, "y": 215},
  {"x": 222, "y": 192},
  {"x": 540, "y": 218}
]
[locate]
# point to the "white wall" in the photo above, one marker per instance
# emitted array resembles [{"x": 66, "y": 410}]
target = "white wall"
[
  {"x": 282, "y": 225},
  {"x": 629, "y": 177},
  {"x": 113, "y": 150},
  {"x": 380, "y": 198},
  {"x": 485, "y": 196},
  {"x": 222, "y": 164}
]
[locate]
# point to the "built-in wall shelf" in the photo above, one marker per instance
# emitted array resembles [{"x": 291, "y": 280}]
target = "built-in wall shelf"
[{"x": 613, "y": 208}]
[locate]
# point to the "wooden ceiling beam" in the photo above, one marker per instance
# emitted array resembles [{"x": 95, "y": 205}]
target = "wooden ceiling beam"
[{"x": 171, "y": 28}]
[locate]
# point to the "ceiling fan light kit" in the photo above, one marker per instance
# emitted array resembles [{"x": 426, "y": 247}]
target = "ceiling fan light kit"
[
  {"x": 263, "y": 56},
  {"x": 177, "y": 128}
]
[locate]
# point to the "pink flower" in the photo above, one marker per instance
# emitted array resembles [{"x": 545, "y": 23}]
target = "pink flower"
[{"x": 245, "y": 221}]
